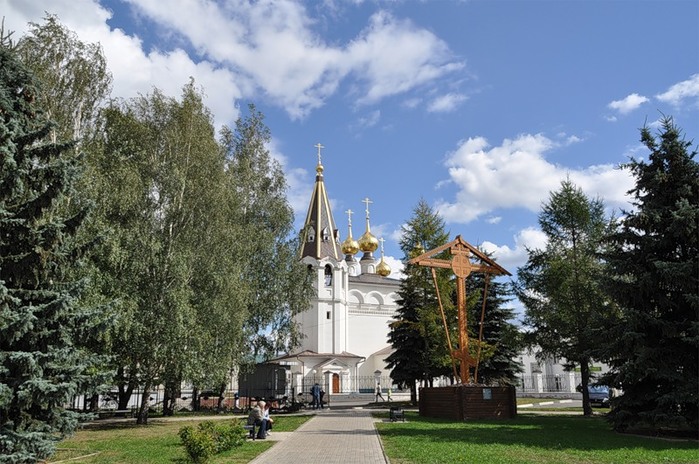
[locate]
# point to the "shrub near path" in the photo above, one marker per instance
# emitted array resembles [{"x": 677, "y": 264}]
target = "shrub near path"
[
  {"x": 156, "y": 443},
  {"x": 526, "y": 439}
]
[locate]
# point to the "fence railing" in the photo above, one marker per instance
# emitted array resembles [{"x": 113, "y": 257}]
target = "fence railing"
[{"x": 540, "y": 383}]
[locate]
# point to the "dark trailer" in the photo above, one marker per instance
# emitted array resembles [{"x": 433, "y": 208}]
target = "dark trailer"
[{"x": 270, "y": 382}]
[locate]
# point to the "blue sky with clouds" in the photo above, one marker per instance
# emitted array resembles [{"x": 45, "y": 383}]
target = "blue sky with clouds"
[{"x": 479, "y": 107}]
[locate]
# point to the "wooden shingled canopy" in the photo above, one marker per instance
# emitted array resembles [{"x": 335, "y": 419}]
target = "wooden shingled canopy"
[{"x": 465, "y": 259}]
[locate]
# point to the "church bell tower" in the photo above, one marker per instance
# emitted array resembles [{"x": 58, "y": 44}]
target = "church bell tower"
[{"x": 324, "y": 324}]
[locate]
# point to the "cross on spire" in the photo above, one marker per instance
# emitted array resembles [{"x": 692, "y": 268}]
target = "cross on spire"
[
  {"x": 349, "y": 214},
  {"x": 367, "y": 201},
  {"x": 381, "y": 240},
  {"x": 319, "y": 146}
]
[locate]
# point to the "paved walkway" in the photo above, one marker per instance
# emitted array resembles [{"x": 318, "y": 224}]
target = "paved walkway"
[{"x": 331, "y": 437}]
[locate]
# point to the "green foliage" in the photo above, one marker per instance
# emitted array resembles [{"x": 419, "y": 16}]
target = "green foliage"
[
  {"x": 43, "y": 326},
  {"x": 198, "y": 444},
  {"x": 277, "y": 284},
  {"x": 74, "y": 76},
  {"x": 527, "y": 439},
  {"x": 561, "y": 286},
  {"x": 654, "y": 276},
  {"x": 170, "y": 255},
  {"x": 417, "y": 335},
  {"x": 499, "y": 366},
  {"x": 211, "y": 438}
]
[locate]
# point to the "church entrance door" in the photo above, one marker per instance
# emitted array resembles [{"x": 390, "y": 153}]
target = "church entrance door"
[{"x": 336, "y": 383}]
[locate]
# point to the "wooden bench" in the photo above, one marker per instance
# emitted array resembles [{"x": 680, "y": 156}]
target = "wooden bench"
[
  {"x": 251, "y": 428},
  {"x": 115, "y": 412},
  {"x": 396, "y": 414}
]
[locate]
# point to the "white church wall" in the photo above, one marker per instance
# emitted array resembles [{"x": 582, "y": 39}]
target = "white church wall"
[
  {"x": 554, "y": 367},
  {"x": 371, "y": 309},
  {"x": 355, "y": 297}
]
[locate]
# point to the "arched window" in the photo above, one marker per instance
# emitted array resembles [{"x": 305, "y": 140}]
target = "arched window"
[
  {"x": 328, "y": 275},
  {"x": 311, "y": 234},
  {"x": 325, "y": 234}
]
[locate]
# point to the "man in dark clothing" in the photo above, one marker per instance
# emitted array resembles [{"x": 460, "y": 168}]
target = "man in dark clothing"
[
  {"x": 315, "y": 393},
  {"x": 256, "y": 418}
]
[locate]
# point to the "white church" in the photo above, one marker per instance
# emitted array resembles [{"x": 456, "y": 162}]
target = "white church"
[{"x": 345, "y": 329}]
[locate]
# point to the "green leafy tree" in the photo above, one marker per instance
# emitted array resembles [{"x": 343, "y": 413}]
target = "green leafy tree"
[
  {"x": 501, "y": 337},
  {"x": 74, "y": 83},
  {"x": 161, "y": 177},
  {"x": 654, "y": 276},
  {"x": 560, "y": 286},
  {"x": 272, "y": 270},
  {"x": 74, "y": 76},
  {"x": 417, "y": 335},
  {"x": 43, "y": 362}
]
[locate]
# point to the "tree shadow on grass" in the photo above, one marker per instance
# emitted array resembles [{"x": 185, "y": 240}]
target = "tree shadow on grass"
[{"x": 544, "y": 432}]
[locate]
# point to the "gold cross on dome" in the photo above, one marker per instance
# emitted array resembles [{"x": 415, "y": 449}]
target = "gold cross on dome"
[
  {"x": 349, "y": 214},
  {"x": 319, "y": 146},
  {"x": 367, "y": 201},
  {"x": 381, "y": 240}
]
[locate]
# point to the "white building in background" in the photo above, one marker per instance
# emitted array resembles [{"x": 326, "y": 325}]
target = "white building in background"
[
  {"x": 550, "y": 376},
  {"x": 345, "y": 329}
]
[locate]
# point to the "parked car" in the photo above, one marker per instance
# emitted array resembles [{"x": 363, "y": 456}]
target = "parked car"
[{"x": 599, "y": 394}]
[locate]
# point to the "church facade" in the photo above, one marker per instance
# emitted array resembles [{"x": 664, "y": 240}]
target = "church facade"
[{"x": 345, "y": 329}]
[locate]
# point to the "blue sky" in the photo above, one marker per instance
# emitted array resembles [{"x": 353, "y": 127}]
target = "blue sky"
[{"x": 479, "y": 107}]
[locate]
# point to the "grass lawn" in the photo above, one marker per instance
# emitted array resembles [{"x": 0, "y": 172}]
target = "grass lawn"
[
  {"x": 529, "y": 438},
  {"x": 155, "y": 443}
]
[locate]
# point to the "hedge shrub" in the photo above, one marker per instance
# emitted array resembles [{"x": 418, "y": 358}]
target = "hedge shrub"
[{"x": 210, "y": 438}]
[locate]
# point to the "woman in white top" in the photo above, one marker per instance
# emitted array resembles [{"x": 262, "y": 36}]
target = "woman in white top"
[{"x": 270, "y": 421}]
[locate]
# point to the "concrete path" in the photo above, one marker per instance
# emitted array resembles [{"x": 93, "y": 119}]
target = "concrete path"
[{"x": 331, "y": 437}]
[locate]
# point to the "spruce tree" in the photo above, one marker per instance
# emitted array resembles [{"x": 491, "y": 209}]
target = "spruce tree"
[
  {"x": 560, "y": 286},
  {"x": 654, "y": 277},
  {"x": 43, "y": 363},
  {"x": 417, "y": 335}
]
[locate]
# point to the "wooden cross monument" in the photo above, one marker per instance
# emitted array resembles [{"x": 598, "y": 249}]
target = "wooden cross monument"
[{"x": 462, "y": 252}]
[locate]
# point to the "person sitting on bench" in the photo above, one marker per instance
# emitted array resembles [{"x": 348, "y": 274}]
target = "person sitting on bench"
[
  {"x": 256, "y": 418},
  {"x": 270, "y": 421}
]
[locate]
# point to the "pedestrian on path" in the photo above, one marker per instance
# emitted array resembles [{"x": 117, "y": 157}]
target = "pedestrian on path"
[
  {"x": 378, "y": 393},
  {"x": 388, "y": 394},
  {"x": 315, "y": 393}
]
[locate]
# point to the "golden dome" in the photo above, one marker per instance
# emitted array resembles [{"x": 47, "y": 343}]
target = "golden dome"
[
  {"x": 368, "y": 243},
  {"x": 417, "y": 250},
  {"x": 350, "y": 246},
  {"x": 383, "y": 269}
]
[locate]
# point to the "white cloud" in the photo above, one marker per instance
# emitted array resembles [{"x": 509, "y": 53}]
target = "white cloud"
[
  {"x": 494, "y": 220},
  {"x": 396, "y": 266},
  {"x": 248, "y": 49},
  {"x": 393, "y": 56},
  {"x": 397, "y": 234},
  {"x": 412, "y": 102},
  {"x": 517, "y": 175},
  {"x": 445, "y": 103},
  {"x": 299, "y": 183},
  {"x": 367, "y": 121},
  {"x": 299, "y": 193},
  {"x": 134, "y": 70},
  {"x": 681, "y": 91},
  {"x": 573, "y": 139},
  {"x": 379, "y": 231},
  {"x": 513, "y": 258},
  {"x": 628, "y": 104},
  {"x": 272, "y": 48}
]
